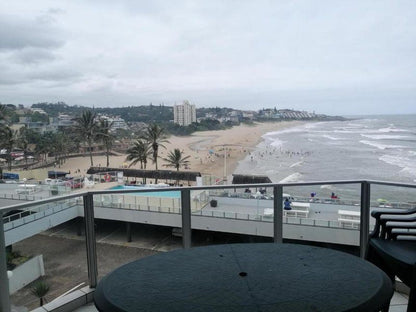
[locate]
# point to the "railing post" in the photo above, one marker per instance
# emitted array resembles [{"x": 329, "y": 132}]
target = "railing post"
[
  {"x": 4, "y": 279},
  {"x": 90, "y": 239},
  {"x": 278, "y": 213},
  {"x": 364, "y": 217},
  {"x": 186, "y": 218}
]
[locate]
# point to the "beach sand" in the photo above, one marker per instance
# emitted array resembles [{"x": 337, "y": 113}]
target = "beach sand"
[{"x": 205, "y": 148}]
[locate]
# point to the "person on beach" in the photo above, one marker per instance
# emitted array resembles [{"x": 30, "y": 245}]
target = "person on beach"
[{"x": 287, "y": 204}]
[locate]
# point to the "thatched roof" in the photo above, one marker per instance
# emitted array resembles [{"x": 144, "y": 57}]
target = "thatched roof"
[
  {"x": 151, "y": 174},
  {"x": 250, "y": 179}
]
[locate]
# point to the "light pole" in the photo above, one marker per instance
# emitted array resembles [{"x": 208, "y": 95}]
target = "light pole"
[
  {"x": 257, "y": 216},
  {"x": 225, "y": 164}
]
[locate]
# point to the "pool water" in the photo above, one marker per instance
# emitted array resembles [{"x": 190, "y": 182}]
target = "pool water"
[{"x": 168, "y": 194}]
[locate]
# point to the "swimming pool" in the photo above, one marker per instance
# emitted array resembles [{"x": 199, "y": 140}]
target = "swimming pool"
[{"x": 167, "y": 194}]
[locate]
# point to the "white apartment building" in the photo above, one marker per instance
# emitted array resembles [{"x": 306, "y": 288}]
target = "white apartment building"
[
  {"x": 117, "y": 122},
  {"x": 184, "y": 114}
]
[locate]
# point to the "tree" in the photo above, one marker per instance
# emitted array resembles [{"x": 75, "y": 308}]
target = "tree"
[
  {"x": 104, "y": 135},
  {"x": 40, "y": 289},
  {"x": 176, "y": 159},
  {"x": 60, "y": 143},
  {"x": 3, "y": 112},
  {"x": 44, "y": 145},
  {"x": 8, "y": 139},
  {"x": 86, "y": 127},
  {"x": 138, "y": 153},
  {"x": 155, "y": 136},
  {"x": 23, "y": 142}
]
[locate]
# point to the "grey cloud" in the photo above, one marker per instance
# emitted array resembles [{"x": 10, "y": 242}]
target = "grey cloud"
[
  {"x": 54, "y": 75},
  {"x": 17, "y": 33},
  {"x": 37, "y": 77},
  {"x": 55, "y": 11},
  {"x": 33, "y": 55}
]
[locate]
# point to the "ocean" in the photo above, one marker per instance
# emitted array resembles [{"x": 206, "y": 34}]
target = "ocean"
[{"x": 368, "y": 147}]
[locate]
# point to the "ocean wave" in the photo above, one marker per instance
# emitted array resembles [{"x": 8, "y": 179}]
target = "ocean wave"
[
  {"x": 385, "y": 136},
  {"x": 328, "y": 187},
  {"x": 391, "y": 128},
  {"x": 347, "y": 131},
  {"x": 297, "y": 129},
  {"x": 275, "y": 133},
  {"x": 276, "y": 142},
  {"x": 296, "y": 164},
  {"x": 353, "y": 130},
  {"x": 294, "y": 177},
  {"x": 331, "y": 137},
  {"x": 408, "y": 165},
  {"x": 381, "y": 146}
]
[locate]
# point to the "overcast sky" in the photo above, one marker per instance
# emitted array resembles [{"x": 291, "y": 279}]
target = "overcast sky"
[{"x": 333, "y": 57}]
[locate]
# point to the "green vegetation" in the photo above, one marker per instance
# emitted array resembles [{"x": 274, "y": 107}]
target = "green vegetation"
[
  {"x": 14, "y": 259},
  {"x": 155, "y": 136},
  {"x": 144, "y": 113},
  {"x": 176, "y": 159},
  {"x": 87, "y": 128},
  {"x": 139, "y": 152},
  {"x": 203, "y": 125},
  {"x": 157, "y": 114},
  {"x": 40, "y": 289},
  {"x": 8, "y": 140},
  {"x": 106, "y": 137}
]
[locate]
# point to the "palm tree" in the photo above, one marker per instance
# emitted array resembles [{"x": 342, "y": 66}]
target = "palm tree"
[
  {"x": 106, "y": 136},
  {"x": 138, "y": 153},
  {"x": 40, "y": 289},
  {"x": 176, "y": 159},
  {"x": 155, "y": 136},
  {"x": 8, "y": 139},
  {"x": 23, "y": 142},
  {"x": 86, "y": 127},
  {"x": 60, "y": 145},
  {"x": 44, "y": 145}
]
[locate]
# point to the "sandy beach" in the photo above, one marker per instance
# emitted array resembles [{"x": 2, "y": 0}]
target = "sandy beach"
[{"x": 205, "y": 148}]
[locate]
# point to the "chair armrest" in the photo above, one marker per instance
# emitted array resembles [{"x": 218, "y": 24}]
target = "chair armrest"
[
  {"x": 376, "y": 213},
  {"x": 401, "y": 225},
  {"x": 383, "y": 215},
  {"x": 397, "y": 217}
]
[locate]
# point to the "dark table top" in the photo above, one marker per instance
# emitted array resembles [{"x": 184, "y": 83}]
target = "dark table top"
[{"x": 246, "y": 277}]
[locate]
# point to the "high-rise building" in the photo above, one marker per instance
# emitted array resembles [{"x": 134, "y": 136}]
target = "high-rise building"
[{"x": 184, "y": 114}]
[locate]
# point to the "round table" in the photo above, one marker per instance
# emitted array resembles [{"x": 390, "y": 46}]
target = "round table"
[{"x": 246, "y": 277}]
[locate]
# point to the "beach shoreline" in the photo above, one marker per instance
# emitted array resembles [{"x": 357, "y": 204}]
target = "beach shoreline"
[{"x": 205, "y": 148}]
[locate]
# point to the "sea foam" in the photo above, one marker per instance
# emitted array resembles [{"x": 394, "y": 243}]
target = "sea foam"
[
  {"x": 385, "y": 136},
  {"x": 294, "y": 177},
  {"x": 381, "y": 146},
  {"x": 408, "y": 165}
]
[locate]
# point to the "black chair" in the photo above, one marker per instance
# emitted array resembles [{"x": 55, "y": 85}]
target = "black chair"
[{"x": 392, "y": 247}]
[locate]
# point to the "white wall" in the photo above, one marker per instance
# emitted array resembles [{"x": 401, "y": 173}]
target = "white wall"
[{"x": 26, "y": 273}]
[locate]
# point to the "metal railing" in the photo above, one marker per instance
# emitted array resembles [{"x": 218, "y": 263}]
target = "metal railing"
[{"x": 186, "y": 201}]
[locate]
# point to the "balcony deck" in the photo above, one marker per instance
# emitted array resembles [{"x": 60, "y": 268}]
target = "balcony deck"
[{"x": 398, "y": 303}]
